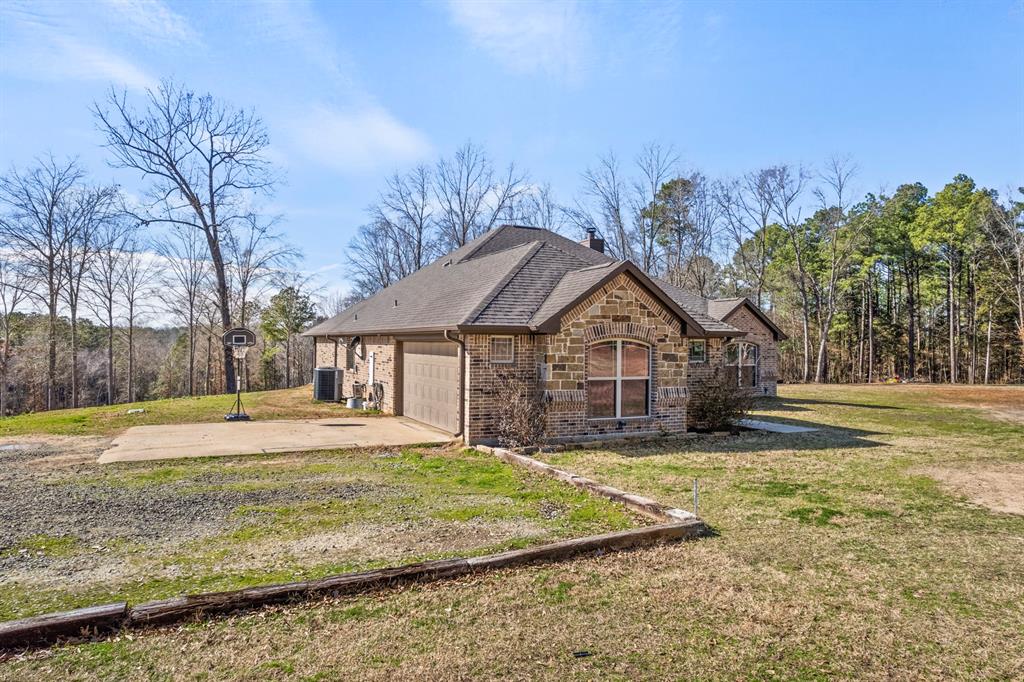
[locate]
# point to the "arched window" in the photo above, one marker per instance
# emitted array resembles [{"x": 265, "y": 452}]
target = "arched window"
[
  {"x": 618, "y": 379},
  {"x": 741, "y": 363}
]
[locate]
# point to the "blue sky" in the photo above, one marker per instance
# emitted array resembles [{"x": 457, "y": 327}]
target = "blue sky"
[{"x": 353, "y": 91}]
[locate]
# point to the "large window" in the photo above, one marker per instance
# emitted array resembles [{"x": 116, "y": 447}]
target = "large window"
[
  {"x": 618, "y": 379},
  {"x": 741, "y": 363}
]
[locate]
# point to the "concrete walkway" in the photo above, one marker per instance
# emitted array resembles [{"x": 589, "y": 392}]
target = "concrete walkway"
[
  {"x": 147, "y": 443},
  {"x": 774, "y": 427}
]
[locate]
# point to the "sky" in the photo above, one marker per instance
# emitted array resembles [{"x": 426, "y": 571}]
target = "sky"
[{"x": 351, "y": 92}]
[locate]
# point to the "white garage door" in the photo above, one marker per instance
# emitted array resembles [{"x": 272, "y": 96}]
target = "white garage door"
[{"x": 430, "y": 383}]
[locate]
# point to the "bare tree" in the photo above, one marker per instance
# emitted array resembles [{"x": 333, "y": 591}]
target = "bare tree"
[
  {"x": 139, "y": 273},
  {"x": 700, "y": 272},
  {"x": 205, "y": 162},
  {"x": 372, "y": 259},
  {"x": 1004, "y": 226},
  {"x": 603, "y": 207},
  {"x": 405, "y": 214},
  {"x": 14, "y": 283},
  {"x": 785, "y": 186},
  {"x": 104, "y": 284},
  {"x": 257, "y": 254},
  {"x": 746, "y": 209},
  {"x": 470, "y": 197},
  {"x": 537, "y": 207},
  {"x": 89, "y": 209},
  {"x": 656, "y": 165},
  {"x": 837, "y": 241},
  {"x": 37, "y": 227},
  {"x": 184, "y": 285}
]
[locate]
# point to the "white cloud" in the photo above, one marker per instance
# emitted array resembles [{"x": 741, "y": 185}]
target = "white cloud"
[
  {"x": 361, "y": 139},
  {"x": 78, "y": 41},
  {"x": 527, "y": 36},
  {"x": 152, "y": 20},
  {"x": 358, "y": 135},
  {"x": 70, "y": 58}
]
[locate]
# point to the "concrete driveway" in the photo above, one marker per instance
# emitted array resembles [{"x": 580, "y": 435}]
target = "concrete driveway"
[{"x": 147, "y": 443}]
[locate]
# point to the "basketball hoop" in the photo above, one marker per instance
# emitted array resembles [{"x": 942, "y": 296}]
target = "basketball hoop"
[{"x": 239, "y": 340}]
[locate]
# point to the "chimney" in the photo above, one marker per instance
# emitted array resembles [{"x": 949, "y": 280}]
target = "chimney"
[{"x": 592, "y": 241}]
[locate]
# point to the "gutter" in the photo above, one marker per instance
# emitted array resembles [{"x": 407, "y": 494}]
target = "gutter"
[{"x": 462, "y": 381}]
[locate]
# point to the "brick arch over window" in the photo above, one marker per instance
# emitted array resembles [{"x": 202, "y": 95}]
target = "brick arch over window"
[{"x": 620, "y": 330}]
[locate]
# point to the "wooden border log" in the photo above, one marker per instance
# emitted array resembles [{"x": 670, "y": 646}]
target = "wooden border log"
[
  {"x": 637, "y": 503},
  {"x": 626, "y": 539},
  {"x": 51, "y": 627},
  {"x": 191, "y": 606}
]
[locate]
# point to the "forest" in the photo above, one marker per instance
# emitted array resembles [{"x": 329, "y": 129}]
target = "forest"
[
  {"x": 108, "y": 296},
  {"x": 901, "y": 285}
]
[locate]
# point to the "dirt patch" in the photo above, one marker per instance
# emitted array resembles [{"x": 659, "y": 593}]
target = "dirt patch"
[
  {"x": 999, "y": 487},
  {"x": 52, "y": 452}
]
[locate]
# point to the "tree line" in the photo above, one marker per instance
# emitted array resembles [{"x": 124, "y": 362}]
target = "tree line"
[
  {"x": 109, "y": 297},
  {"x": 84, "y": 266},
  {"x": 908, "y": 284}
]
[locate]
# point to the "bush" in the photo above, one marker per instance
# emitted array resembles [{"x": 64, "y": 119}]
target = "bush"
[
  {"x": 718, "y": 404},
  {"x": 522, "y": 413}
]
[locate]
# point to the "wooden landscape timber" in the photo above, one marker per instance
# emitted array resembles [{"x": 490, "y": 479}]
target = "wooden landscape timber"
[
  {"x": 50, "y": 627},
  {"x": 637, "y": 503}
]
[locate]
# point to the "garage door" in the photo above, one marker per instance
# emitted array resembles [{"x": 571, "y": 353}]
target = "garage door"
[{"x": 430, "y": 383}]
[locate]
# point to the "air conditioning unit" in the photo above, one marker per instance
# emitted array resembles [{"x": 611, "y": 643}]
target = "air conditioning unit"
[{"x": 327, "y": 384}]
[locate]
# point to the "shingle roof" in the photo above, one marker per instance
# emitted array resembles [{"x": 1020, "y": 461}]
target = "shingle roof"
[{"x": 511, "y": 278}]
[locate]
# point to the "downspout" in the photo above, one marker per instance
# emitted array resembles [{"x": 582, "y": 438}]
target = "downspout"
[{"x": 462, "y": 381}]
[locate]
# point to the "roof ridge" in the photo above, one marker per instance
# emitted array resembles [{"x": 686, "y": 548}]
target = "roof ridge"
[
  {"x": 483, "y": 239},
  {"x": 500, "y": 286}
]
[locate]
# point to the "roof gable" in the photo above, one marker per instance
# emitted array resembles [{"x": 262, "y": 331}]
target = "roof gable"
[
  {"x": 576, "y": 286},
  {"x": 724, "y": 308}
]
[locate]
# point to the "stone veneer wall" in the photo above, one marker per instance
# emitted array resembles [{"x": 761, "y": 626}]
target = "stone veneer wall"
[
  {"x": 759, "y": 333},
  {"x": 620, "y": 309},
  {"x": 384, "y": 368}
]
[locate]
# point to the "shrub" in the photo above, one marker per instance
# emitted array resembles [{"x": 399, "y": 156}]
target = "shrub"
[
  {"x": 522, "y": 413},
  {"x": 718, "y": 404}
]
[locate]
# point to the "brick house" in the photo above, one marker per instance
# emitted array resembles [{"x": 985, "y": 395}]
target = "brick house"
[{"x": 615, "y": 351}]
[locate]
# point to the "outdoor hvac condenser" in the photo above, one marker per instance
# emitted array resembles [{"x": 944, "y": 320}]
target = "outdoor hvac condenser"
[{"x": 327, "y": 384}]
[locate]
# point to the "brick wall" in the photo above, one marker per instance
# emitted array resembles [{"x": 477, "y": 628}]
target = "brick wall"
[
  {"x": 699, "y": 371},
  {"x": 384, "y": 365},
  {"x": 482, "y": 402},
  {"x": 759, "y": 333}
]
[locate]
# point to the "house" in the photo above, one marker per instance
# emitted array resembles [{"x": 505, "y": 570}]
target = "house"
[{"x": 614, "y": 350}]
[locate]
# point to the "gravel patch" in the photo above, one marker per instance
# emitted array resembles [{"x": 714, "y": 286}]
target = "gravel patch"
[{"x": 39, "y": 500}]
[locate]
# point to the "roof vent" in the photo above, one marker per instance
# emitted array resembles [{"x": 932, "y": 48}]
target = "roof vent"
[
  {"x": 396, "y": 302},
  {"x": 447, "y": 263},
  {"x": 592, "y": 241}
]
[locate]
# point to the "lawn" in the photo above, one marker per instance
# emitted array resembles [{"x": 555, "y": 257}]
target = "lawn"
[
  {"x": 292, "y": 403},
  {"x": 848, "y": 553},
  {"x": 86, "y": 534}
]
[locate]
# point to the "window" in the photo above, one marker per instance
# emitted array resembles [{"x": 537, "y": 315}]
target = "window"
[
  {"x": 741, "y": 363},
  {"x": 502, "y": 350},
  {"x": 698, "y": 350},
  {"x": 618, "y": 380}
]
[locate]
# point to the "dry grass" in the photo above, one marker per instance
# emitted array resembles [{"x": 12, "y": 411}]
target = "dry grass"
[
  {"x": 290, "y": 403},
  {"x": 836, "y": 559}
]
